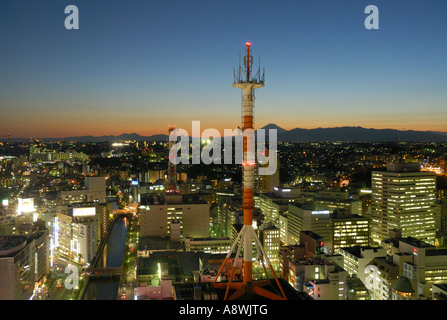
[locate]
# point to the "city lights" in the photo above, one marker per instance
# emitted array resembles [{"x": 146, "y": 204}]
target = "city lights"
[{"x": 322, "y": 176}]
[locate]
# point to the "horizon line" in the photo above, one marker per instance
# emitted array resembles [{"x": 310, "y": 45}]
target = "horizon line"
[{"x": 5, "y": 137}]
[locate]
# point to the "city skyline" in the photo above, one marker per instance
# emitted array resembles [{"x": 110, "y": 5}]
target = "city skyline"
[
  {"x": 97, "y": 203},
  {"x": 140, "y": 67}
]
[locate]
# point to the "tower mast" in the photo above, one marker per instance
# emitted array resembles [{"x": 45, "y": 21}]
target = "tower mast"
[
  {"x": 172, "y": 169},
  {"x": 248, "y": 83}
]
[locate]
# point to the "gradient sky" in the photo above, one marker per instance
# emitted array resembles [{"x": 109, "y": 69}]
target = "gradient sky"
[{"x": 141, "y": 65}]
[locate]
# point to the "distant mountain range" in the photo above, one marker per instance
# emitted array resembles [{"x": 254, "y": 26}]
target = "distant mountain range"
[
  {"x": 294, "y": 135},
  {"x": 355, "y": 134},
  {"x": 108, "y": 138}
]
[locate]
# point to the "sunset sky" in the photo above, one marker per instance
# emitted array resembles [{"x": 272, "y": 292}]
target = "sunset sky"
[{"x": 141, "y": 65}]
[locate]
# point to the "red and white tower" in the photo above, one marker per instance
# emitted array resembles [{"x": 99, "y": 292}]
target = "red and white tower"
[
  {"x": 247, "y": 238},
  {"x": 172, "y": 170}
]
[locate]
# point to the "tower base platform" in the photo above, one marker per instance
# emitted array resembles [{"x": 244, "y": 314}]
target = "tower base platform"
[{"x": 259, "y": 290}]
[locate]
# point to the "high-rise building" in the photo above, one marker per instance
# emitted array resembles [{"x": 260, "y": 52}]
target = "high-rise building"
[
  {"x": 226, "y": 205},
  {"x": 17, "y": 267},
  {"x": 269, "y": 236},
  {"x": 403, "y": 198},
  {"x": 75, "y": 233},
  {"x": 103, "y": 218},
  {"x": 42, "y": 254}
]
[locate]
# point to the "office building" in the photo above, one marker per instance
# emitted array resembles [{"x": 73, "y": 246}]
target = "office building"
[
  {"x": 158, "y": 214},
  {"x": 304, "y": 217},
  {"x": 348, "y": 230},
  {"x": 75, "y": 233},
  {"x": 208, "y": 245},
  {"x": 227, "y": 204},
  {"x": 274, "y": 203},
  {"x": 94, "y": 191},
  {"x": 269, "y": 237},
  {"x": 42, "y": 254},
  {"x": 356, "y": 259},
  {"x": 403, "y": 198}
]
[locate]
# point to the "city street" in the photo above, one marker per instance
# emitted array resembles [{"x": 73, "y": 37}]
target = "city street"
[{"x": 54, "y": 288}]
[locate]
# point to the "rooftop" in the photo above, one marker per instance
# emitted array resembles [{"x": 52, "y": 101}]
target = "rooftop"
[
  {"x": 158, "y": 244},
  {"x": 312, "y": 234},
  {"x": 389, "y": 268},
  {"x": 416, "y": 242},
  {"x": 179, "y": 264},
  {"x": 357, "y": 250},
  {"x": 154, "y": 199},
  {"x": 11, "y": 244},
  {"x": 403, "y": 285},
  {"x": 404, "y": 167},
  {"x": 435, "y": 252}
]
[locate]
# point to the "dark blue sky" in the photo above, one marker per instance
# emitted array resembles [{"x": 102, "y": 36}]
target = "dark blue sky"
[{"x": 139, "y": 65}]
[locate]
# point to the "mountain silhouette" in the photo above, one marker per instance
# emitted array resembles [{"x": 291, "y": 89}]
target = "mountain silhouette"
[
  {"x": 354, "y": 134},
  {"x": 358, "y": 134}
]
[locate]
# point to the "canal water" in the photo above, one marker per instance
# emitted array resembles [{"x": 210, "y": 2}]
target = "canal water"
[{"x": 112, "y": 256}]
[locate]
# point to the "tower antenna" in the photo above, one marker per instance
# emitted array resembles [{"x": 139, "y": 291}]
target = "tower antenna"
[{"x": 247, "y": 236}]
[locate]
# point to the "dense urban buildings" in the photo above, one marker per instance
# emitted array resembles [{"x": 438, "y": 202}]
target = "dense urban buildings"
[
  {"x": 94, "y": 205},
  {"x": 365, "y": 229}
]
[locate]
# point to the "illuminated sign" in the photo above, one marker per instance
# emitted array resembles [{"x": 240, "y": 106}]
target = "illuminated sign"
[
  {"x": 134, "y": 182},
  {"x": 5, "y": 202},
  {"x": 25, "y": 205},
  {"x": 321, "y": 212},
  {"x": 84, "y": 212}
]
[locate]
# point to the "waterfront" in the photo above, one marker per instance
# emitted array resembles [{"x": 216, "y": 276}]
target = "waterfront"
[{"x": 112, "y": 256}]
